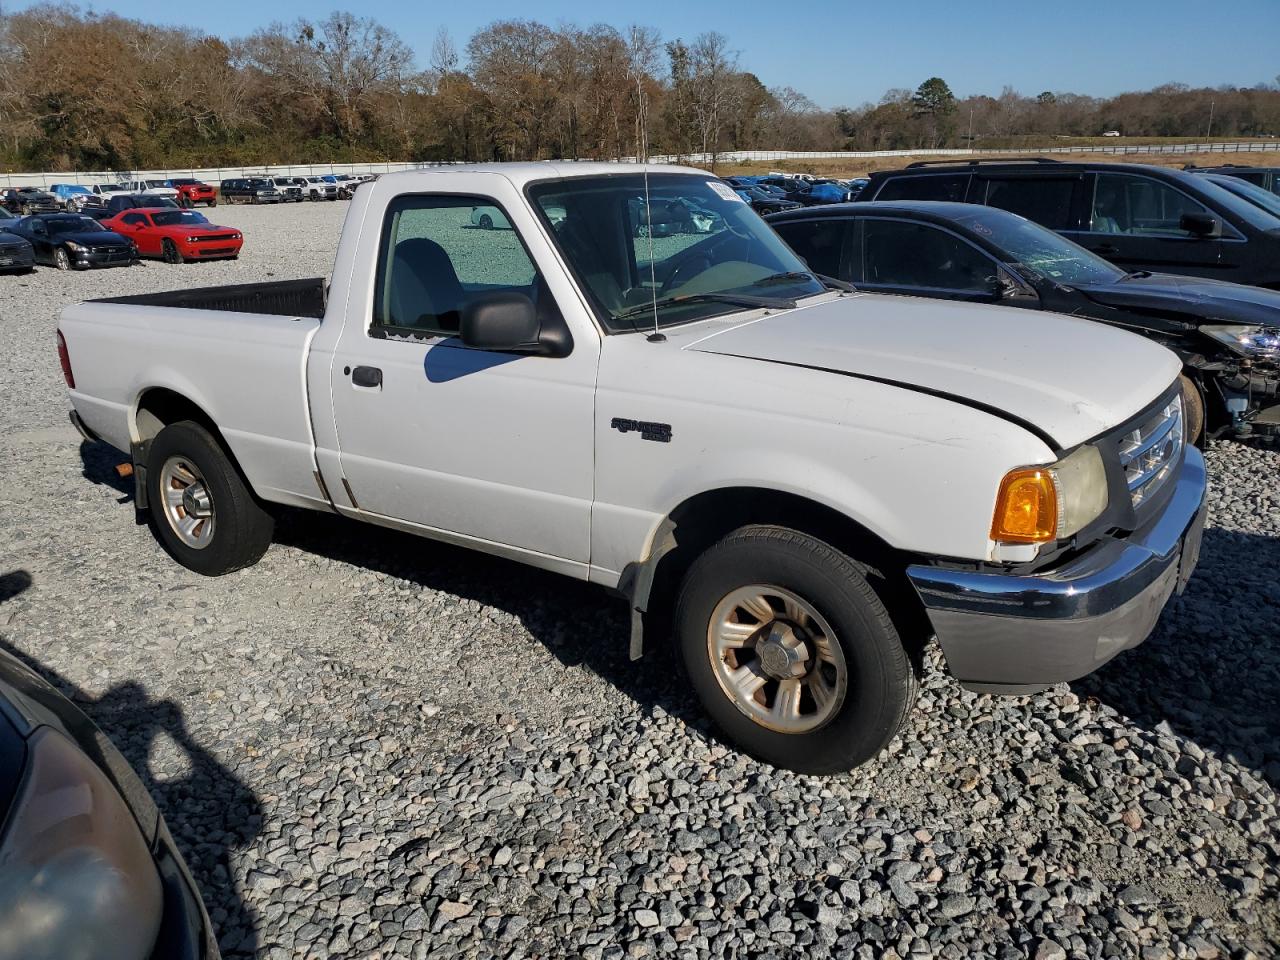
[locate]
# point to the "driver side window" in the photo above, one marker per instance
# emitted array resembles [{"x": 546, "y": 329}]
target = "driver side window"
[
  {"x": 898, "y": 253},
  {"x": 1139, "y": 206},
  {"x": 436, "y": 256}
]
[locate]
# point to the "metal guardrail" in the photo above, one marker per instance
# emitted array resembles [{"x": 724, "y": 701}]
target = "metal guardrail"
[
  {"x": 739, "y": 156},
  {"x": 216, "y": 174}
]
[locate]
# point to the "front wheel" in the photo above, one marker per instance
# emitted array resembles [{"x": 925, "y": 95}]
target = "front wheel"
[
  {"x": 1193, "y": 410},
  {"x": 202, "y": 512},
  {"x": 170, "y": 252},
  {"x": 213, "y": 203},
  {"x": 61, "y": 259},
  {"x": 792, "y": 652}
]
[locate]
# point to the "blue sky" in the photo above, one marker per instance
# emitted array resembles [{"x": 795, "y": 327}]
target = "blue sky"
[{"x": 845, "y": 53}]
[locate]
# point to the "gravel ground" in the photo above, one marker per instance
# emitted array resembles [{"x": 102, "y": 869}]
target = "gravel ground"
[{"x": 371, "y": 745}]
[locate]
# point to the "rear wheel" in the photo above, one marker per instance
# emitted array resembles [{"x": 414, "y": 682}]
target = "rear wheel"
[
  {"x": 792, "y": 652},
  {"x": 201, "y": 511},
  {"x": 61, "y": 259},
  {"x": 170, "y": 252}
]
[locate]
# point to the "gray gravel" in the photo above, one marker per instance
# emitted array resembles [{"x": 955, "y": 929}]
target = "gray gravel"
[{"x": 370, "y": 745}]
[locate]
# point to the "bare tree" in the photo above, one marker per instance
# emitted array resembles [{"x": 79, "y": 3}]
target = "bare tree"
[{"x": 713, "y": 67}]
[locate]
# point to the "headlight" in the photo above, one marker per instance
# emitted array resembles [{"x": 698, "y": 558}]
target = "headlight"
[
  {"x": 75, "y": 870},
  {"x": 74, "y": 247},
  {"x": 1040, "y": 504},
  {"x": 192, "y": 239},
  {"x": 1251, "y": 340}
]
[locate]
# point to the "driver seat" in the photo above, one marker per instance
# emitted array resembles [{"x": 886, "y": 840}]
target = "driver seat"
[{"x": 424, "y": 290}]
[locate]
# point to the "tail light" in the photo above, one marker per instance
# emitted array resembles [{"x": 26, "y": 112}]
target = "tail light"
[{"x": 64, "y": 358}]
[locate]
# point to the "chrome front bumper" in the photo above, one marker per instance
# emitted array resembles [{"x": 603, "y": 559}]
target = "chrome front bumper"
[{"x": 1018, "y": 634}]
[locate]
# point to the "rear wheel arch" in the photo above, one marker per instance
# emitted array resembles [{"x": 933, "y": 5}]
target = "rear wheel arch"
[
  {"x": 156, "y": 409},
  {"x": 705, "y": 518}
]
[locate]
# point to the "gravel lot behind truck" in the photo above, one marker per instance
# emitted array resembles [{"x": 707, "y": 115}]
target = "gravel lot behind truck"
[{"x": 372, "y": 745}]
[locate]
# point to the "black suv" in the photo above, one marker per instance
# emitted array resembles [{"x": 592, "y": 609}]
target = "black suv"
[
  {"x": 250, "y": 190},
  {"x": 1268, "y": 178},
  {"x": 1138, "y": 217}
]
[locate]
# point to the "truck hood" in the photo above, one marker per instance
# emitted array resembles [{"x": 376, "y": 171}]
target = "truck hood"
[
  {"x": 1070, "y": 379},
  {"x": 1192, "y": 298}
]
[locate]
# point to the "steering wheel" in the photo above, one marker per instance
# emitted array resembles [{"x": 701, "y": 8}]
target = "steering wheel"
[{"x": 701, "y": 260}]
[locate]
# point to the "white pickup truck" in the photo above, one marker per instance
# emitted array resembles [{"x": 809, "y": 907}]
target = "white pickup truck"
[{"x": 802, "y": 483}]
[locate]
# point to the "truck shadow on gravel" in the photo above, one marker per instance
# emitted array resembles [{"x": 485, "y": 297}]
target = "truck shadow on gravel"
[
  {"x": 580, "y": 624},
  {"x": 100, "y": 462},
  {"x": 1210, "y": 673},
  {"x": 210, "y": 812}
]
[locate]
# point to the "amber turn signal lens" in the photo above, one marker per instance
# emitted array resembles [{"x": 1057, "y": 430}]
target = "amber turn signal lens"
[{"x": 1026, "y": 508}]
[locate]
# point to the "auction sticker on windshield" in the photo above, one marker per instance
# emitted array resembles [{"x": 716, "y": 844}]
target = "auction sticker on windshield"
[{"x": 723, "y": 190}]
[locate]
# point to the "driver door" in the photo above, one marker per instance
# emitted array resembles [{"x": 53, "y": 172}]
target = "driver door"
[
  {"x": 494, "y": 447},
  {"x": 135, "y": 228}
]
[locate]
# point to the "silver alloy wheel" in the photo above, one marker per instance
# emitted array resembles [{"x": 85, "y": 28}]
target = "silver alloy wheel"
[
  {"x": 60, "y": 259},
  {"x": 777, "y": 659},
  {"x": 187, "y": 504}
]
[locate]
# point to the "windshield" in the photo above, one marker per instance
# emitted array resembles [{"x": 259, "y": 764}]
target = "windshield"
[
  {"x": 75, "y": 188},
  {"x": 1255, "y": 194},
  {"x": 176, "y": 218},
  {"x": 694, "y": 238},
  {"x": 156, "y": 183},
  {"x": 1039, "y": 249},
  {"x": 74, "y": 225}
]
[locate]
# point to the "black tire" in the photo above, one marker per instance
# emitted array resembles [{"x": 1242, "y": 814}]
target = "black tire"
[
  {"x": 61, "y": 259},
  {"x": 1193, "y": 410},
  {"x": 881, "y": 680},
  {"x": 242, "y": 530},
  {"x": 169, "y": 251},
  {"x": 213, "y": 203}
]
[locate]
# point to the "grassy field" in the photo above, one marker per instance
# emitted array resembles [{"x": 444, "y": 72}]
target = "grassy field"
[{"x": 863, "y": 166}]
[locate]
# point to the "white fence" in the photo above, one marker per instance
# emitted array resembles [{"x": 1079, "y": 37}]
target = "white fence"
[
  {"x": 209, "y": 174},
  {"x": 216, "y": 174},
  {"x": 740, "y": 156}
]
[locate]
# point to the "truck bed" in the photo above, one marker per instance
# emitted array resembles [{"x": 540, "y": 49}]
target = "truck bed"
[{"x": 285, "y": 298}]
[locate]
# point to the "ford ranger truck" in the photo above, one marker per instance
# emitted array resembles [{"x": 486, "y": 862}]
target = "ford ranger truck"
[{"x": 801, "y": 483}]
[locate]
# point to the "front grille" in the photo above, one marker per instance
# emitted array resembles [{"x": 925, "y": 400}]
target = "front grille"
[
  {"x": 112, "y": 253},
  {"x": 215, "y": 251},
  {"x": 1149, "y": 453},
  {"x": 214, "y": 238}
]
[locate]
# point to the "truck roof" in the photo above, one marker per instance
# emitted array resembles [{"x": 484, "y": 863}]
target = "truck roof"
[{"x": 525, "y": 172}]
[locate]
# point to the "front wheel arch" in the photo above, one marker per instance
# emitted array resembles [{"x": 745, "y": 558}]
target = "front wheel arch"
[{"x": 701, "y": 520}]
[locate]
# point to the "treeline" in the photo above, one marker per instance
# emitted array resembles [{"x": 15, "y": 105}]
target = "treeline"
[{"x": 97, "y": 91}]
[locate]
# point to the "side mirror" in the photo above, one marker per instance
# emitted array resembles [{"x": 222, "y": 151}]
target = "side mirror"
[
  {"x": 508, "y": 322},
  {"x": 1203, "y": 225},
  {"x": 505, "y": 321},
  {"x": 1005, "y": 286}
]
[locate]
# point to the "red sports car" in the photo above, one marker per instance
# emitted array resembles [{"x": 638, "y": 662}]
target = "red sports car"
[
  {"x": 191, "y": 192},
  {"x": 176, "y": 235}
]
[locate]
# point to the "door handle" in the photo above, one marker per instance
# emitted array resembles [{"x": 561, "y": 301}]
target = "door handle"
[{"x": 367, "y": 376}]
